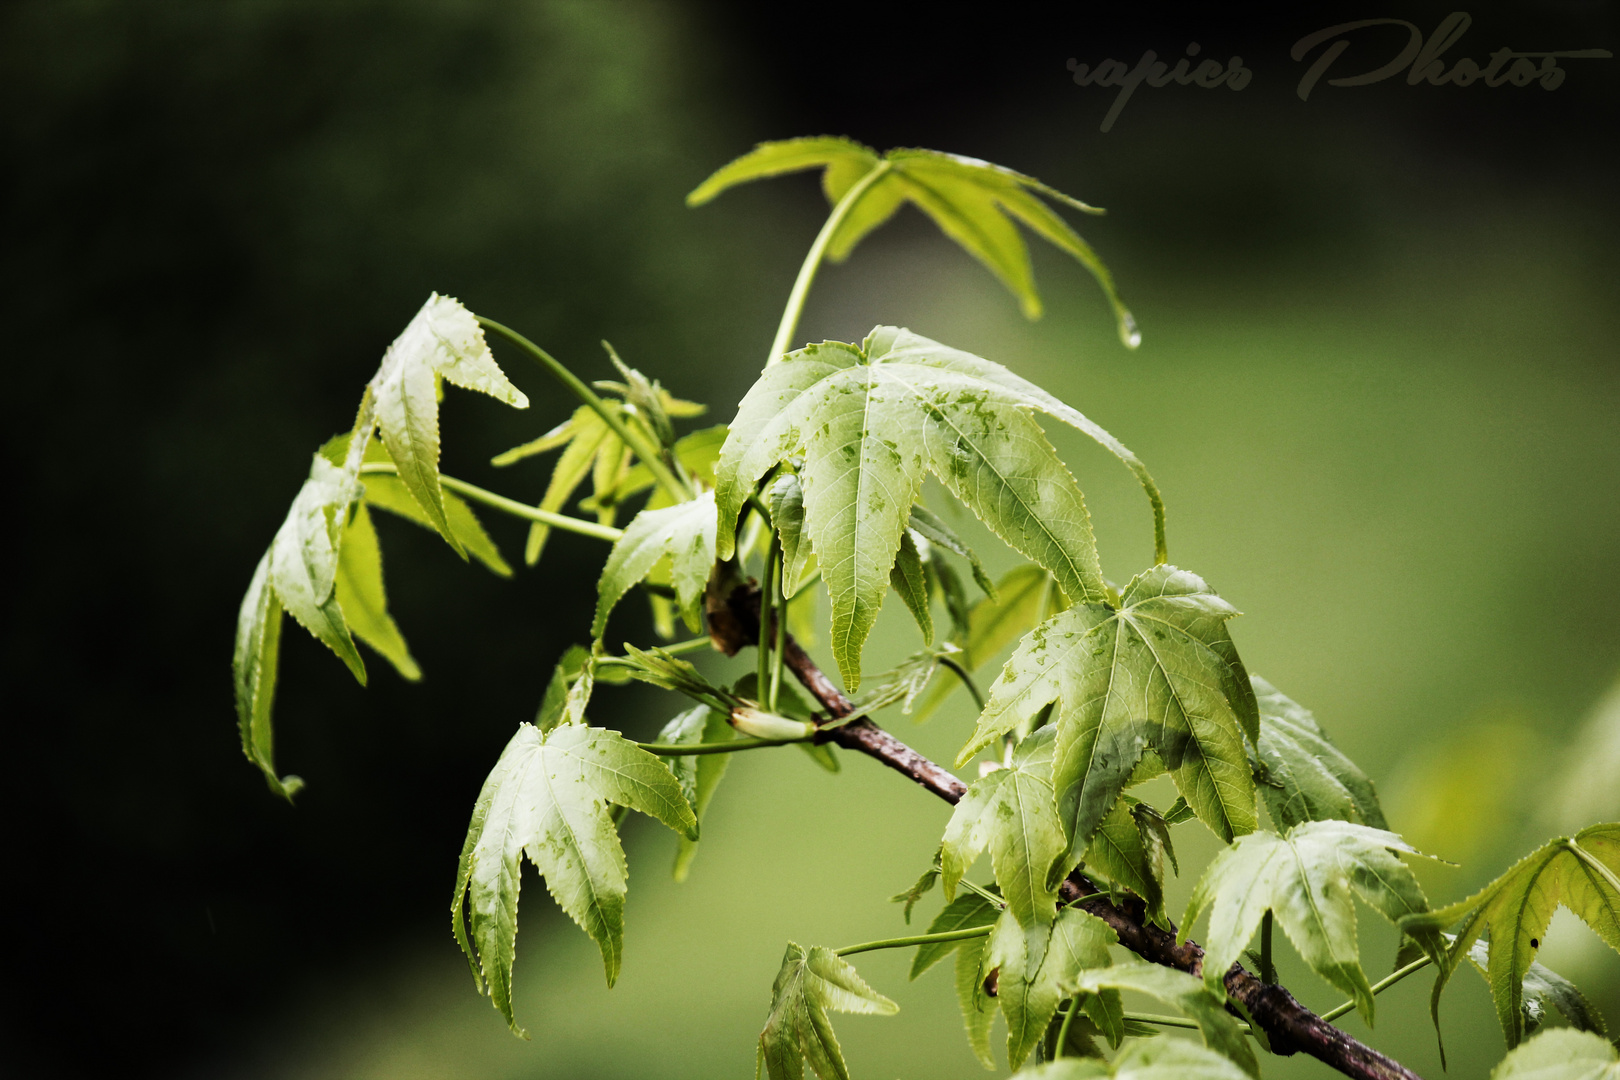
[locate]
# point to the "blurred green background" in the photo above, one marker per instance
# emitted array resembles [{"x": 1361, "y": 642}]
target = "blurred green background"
[{"x": 1378, "y": 387}]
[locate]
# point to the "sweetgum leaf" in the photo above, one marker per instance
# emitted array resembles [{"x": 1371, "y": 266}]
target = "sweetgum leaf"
[
  {"x": 1190, "y": 995},
  {"x": 965, "y": 912},
  {"x": 568, "y": 671},
  {"x": 1161, "y": 1059},
  {"x": 928, "y": 525},
  {"x": 973, "y": 202},
  {"x": 1036, "y": 969},
  {"x": 258, "y": 649},
  {"x": 386, "y": 492},
  {"x": 1307, "y": 877},
  {"x": 443, "y": 341},
  {"x": 1561, "y": 1055},
  {"x": 699, "y": 774},
  {"x": 360, "y": 594},
  {"x": 786, "y": 500},
  {"x": 304, "y": 558},
  {"x": 810, "y": 983},
  {"x": 869, "y": 423},
  {"x": 1544, "y": 987},
  {"x": 1301, "y": 775},
  {"x": 1024, "y": 598},
  {"x": 547, "y": 798},
  {"x": 684, "y": 533},
  {"x": 1580, "y": 872},
  {"x": 911, "y": 584},
  {"x": 978, "y": 1009},
  {"x": 1160, "y": 672}
]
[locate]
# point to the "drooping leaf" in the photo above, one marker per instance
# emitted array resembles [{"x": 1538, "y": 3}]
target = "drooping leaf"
[
  {"x": 547, "y": 798},
  {"x": 568, "y": 671},
  {"x": 810, "y": 983},
  {"x": 1160, "y": 672},
  {"x": 360, "y": 595},
  {"x": 786, "y": 499},
  {"x": 257, "y": 656},
  {"x": 684, "y": 533},
  {"x": 1544, "y": 987},
  {"x": 1307, "y": 878},
  {"x": 1190, "y": 995},
  {"x": 978, "y": 1008},
  {"x": 927, "y": 524},
  {"x": 1561, "y": 1055},
  {"x": 1130, "y": 853},
  {"x": 583, "y": 437},
  {"x": 1011, "y": 812},
  {"x": 973, "y": 202},
  {"x": 1025, "y": 597},
  {"x": 388, "y": 492},
  {"x": 912, "y": 896},
  {"x": 1161, "y": 1059},
  {"x": 304, "y": 558},
  {"x": 1301, "y": 775},
  {"x": 1037, "y": 968},
  {"x": 869, "y": 424},
  {"x": 965, "y": 912},
  {"x": 911, "y": 584},
  {"x": 442, "y": 341},
  {"x": 1580, "y": 872},
  {"x": 699, "y": 774}
]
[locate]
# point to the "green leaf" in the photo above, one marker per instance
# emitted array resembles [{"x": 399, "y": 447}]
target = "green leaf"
[
  {"x": 1161, "y": 1059},
  {"x": 903, "y": 683},
  {"x": 1025, "y": 597},
  {"x": 1307, "y": 877},
  {"x": 567, "y": 672},
  {"x": 966, "y": 911},
  {"x": 911, "y": 584},
  {"x": 258, "y": 650},
  {"x": 809, "y": 984},
  {"x": 1011, "y": 812},
  {"x": 1186, "y": 993},
  {"x": 1158, "y": 672},
  {"x": 928, "y": 524},
  {"x": 1130, "y": 853},
  {"x": 359, "y": 592},
  {"x": 1544, "y": 987},
  {"x": 1302, "y": 776},
  {"x": 304, "y": 558},
  {"x": 389, "y": 493},
  {"x": 699, "y": 774},
  {"x": 547, "y": 798},
  {"x": 978, "y": 1010},
  {"x": 786, "y": 500},
  {"x": 697, "y": 452},
  {"x": 1037, "y": 967},
  {"x": 1581, "y": 872},
  {"x": 869, "y": 424},
  {"x": 973, "y": 202},
  {"x": 684, "y": 533},
  {"x": 912, "y": 896},
  {"x": 1561, "y": 1055},
  {"x": 443, "y": 341},
  {"x": 584, "y": 437}
]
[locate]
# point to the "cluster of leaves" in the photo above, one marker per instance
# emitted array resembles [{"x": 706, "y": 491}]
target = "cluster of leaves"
[{"x": 819, "y": 480}]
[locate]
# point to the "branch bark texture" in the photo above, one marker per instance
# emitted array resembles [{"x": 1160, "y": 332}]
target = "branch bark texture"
[{"x": 1290, "y": 1027}]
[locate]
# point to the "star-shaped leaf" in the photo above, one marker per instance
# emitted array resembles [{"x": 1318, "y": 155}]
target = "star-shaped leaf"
[
  {"x": 811, "y": 982},
  {"x": 1161, "y": 1059},
  {"x": 360, "y": 594},
  {"x": 443, "y": 341},
  {"x": 868, "y": 424},
  {"x": 547, "y": 798},
  {"x": 1190, "y": 995},
  {"x": 1159, "y": 671},
  {"x": 1561, "y": 1055},
  {"x": 1580, "y": 872},
  {"x": 1307, "y": 877},
  {"x": 973, "y": 202},
  {"x": 684, "y": 534},
  {"x": 1037, "y": 969},
  {"x": 1544, "y": 987},
  {"x": 1301, "y": 775}
]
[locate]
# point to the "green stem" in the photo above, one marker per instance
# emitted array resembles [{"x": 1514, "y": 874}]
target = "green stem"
[
  {"x": 645, "y": 450},
  {"x": 1172, "y": 1021},
  {"x": 510, "y": 506},
  {"x": 1379, "y": 987},
  {"x": 1063, "y": 1032},
  {"x": 967, "y": 680},
  {"x": 1268, "y": 973},
  {"x": 696, "y": 644},
  {"x": 767, "y": 596},
  {"x": 920, "y": 939},
  {"x": 781, "y": 606},
  {"x": 731, "y": 747},
  {"x": 812, "y": 262}
]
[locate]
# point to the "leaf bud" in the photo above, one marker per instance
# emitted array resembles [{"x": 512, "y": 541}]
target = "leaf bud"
[{"x": 766, "y": 725}]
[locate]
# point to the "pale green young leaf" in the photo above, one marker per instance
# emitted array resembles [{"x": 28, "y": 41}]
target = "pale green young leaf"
[
  {"x": 1160, "y": 1059},
  {"x": 903, "y": 683},
  {"x": 1580, "y": 872},
  {"x": 1307, "y": 878},
  {"x": 584, "y": 436},
  {"x": 786, "y": 500},
  {"x": 868, "y": 424},
  {"x": 810, "y": 983},
  {"x": 699, "y": 774},
  {"x": 442, "y": 341},
  {"x": 1301, "y": 775},
  {"x": 254, "y": 664},
  {"x": 913, "y": 896},
  {"x": 1544, "y": 988},
  {"x": 684, "y": 533},
  {"x": 966, "y": 911},
  {"x": 389, "y": 493},
  {"x": 568, "y": 671},
  {"x": 927, "y": 524},
  {"x": 698, "y": 453},
  {"x": 1037, "y": 967},
  {"x": 1190, "y": 995},
  {"x": 911, "y": 584},
  {"x": 1160, "y": 672},
  {"x": 1561, "y": 1054},
  {"x": 547, "y": 798},
  {"x": 360, "y": 594},
  {"x": 1025, "y": 597},
  {"x": 790, "y": 155},
  {"x": 1011, "y": 812},
  {"x": 304, "y": 558}
]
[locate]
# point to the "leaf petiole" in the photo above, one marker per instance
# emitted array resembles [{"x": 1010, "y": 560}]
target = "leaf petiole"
[
  {"x": 920, "y": 939},
  {"x": 1379, "y": 987},
  {"x": 1173, "y": 1021},
  {"x": 1063, "y": 1031},
  {"x": 509, "y": 506},
  {"x": 967, "y": 680},
  {"x": 731, "y": 747}
]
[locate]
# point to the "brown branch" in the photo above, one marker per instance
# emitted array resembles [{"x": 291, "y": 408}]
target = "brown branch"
[{"x": 1289, "y": 1026}]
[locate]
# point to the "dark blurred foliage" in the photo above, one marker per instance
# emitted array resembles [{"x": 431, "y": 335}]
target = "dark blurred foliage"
[{"x": 216, "y": 215}]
